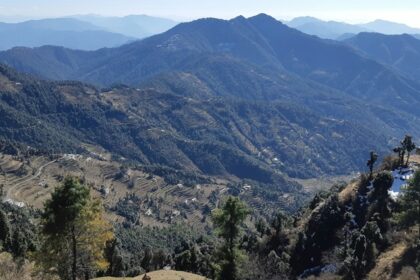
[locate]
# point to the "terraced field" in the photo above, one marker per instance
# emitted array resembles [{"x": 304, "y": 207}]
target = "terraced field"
[{"x": 30, "y": 182}]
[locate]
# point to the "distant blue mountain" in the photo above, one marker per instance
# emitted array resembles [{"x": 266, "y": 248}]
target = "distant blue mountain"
[
  {"x": 390, "y": 28},
  {"x": 324, "y": 29},
  {"x": 139, "y": 26},
  {"x": 65, "y": 32},
  {"x": 340, "y": 30}
]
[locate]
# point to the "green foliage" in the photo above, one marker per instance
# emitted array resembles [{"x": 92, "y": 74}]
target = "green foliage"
[
  {"x": 408, "y": 145},
  {"x": 228, "y": 221},
  {"x": 75, "y": 234},
  {"x": 129, "y": 208},
  {"x": 113, "y": 256},
  {"x": 18, "y": 233},
  {"x": 138, "y": 245},
  {"x": 64, "y": 207},
  {"x": 5, "y": 231},
  {"x": 319, "y": 235},
  {"x": 410, "y": 203}
]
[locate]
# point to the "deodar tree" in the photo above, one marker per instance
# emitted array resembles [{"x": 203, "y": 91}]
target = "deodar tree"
[
  {"x": 371, "y": 162},
  {"x": 228, "y": 221},
  {"x": 74, "y": 233},
  {"x": 409, "y": 146},
  {"x": 410, "y": 203}
]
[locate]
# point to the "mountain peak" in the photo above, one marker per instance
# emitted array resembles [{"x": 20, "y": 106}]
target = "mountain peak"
[{"x": 263, "y": 16}]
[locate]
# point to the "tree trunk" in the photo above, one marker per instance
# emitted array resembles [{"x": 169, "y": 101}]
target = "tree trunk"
[
  {"x": 402, "y": 157},
  {"x": 408, "y": 158},
  {"x": 74, "y": 265}
]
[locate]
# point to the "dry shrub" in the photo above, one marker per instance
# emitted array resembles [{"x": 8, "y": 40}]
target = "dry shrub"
[
  {"x": 10, "y": 270},
  {"x": 22, "y": 270},
  {"x": 389, "y": 163}
]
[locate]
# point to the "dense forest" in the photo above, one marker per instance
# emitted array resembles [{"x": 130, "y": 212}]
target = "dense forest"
[{"x": 347, "y": 232}]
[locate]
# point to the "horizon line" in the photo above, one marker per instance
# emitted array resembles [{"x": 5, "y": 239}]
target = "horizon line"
[{"x": 24, "y": 18}]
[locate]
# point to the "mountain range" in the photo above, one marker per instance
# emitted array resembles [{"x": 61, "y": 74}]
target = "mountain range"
[
  {"x": 81, "y": 32},
  {"x": 137, "y": 26},
  {"x": 341, "y": 30},
  {"x": 248, "y": 97},
  {"x": 402, "y": 52}
]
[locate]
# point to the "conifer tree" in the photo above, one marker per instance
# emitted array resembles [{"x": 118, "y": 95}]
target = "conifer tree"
[
  {"x": 228, "y": 221},
  {"x": 410, "y": 203},
  {"x": 75, "y": 233},
  {"x": 398, "y": 150},
  {"x": 371, "y": 162},
  {"x": 5, "y": 231},
  {"x": 409, "y": 146}
]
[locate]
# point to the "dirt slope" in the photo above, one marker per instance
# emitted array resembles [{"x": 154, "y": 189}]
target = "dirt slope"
[{"x": 162, "y": 275}]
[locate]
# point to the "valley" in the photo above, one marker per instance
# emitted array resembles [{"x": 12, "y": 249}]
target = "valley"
[{"x": 231, "y": 149}]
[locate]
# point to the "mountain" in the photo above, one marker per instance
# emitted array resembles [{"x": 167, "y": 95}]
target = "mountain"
[
  {"x": 138, "y": 26},
  {"x": 269, "y": 58},
  {"x": 324, "y": 29},
  {"x": 340, "y": 30},
  {"x": 248, "y": 139},
  {"x": 247, "y": 79},
  {"x": 389, "y": 27},
  {"x": 70, "y": 33},
  {"x": 401, "y": 52}
]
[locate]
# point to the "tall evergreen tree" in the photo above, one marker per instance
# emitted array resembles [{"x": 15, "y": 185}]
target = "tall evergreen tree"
[
  {"x": 228, "y": 221},
  {"x": 5, "y": 231},
  {"x": 399, "y": 150},
  {"x": 409, "y": 146},
  {"x": 371, "y": 162},
  {"x": 410, "y": 203},
  {"x": 75, "y": 232}
]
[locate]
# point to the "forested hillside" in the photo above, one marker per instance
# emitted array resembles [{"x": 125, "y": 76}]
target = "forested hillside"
[
  {"x": 248, "y": 139},
  {"x": 355, "y": 230},
  {"x": 258, "y": 58},
  {"x": 226, "y": 149}
]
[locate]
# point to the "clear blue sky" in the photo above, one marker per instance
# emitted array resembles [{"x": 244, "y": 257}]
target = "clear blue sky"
[{"x": 405, "y": 11}]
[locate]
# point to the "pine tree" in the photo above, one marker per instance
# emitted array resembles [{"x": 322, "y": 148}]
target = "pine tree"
[
  {"x": 114, "y": 258},
  {"x": 371, "y": 162},
  {"x": 5, "y": 231},
  {"x": 399, "y": 151},
  {"x": 410, "y": 203},
  {"x": 409, "y": 146},
  {"x": 228, "y": 221},
  {"x": 75, "y": 233}
]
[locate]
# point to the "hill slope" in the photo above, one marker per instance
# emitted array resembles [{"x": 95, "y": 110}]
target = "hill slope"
[
  {"x": 163, "y": 275},
  {"x": 261, "y": 41},
  {"x": 158, "y": 127},
  {"x": 402, "y": 52}
]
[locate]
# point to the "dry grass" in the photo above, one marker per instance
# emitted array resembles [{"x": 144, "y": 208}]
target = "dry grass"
[
  {"x": 415, "y": 159},
  {"x": 386, "y": 262},
  {"x": 9, "y": 270},
  {"x": 162, "y": 275},
  {"x": 349, "y": 192}
]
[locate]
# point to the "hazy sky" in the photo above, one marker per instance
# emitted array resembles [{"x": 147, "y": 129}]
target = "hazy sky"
[{"x": 354, "y": 11}]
